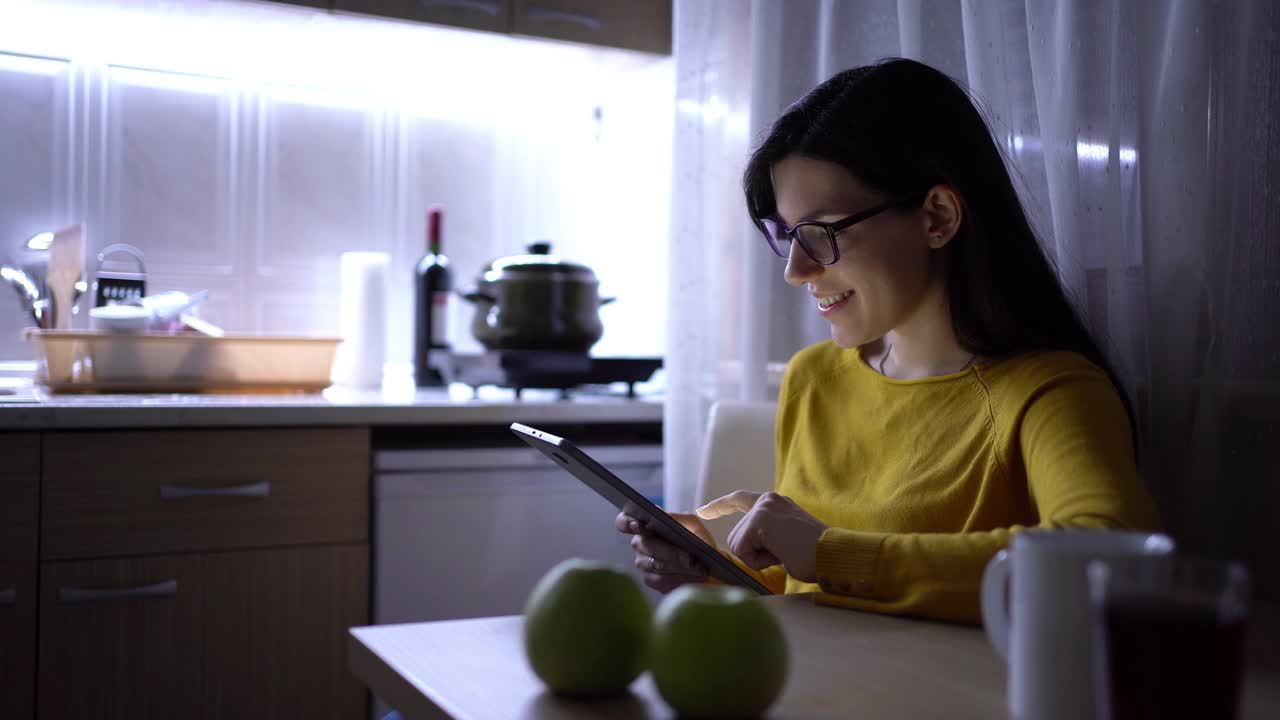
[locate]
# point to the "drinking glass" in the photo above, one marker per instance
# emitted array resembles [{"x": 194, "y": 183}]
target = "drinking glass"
[{"x": 1169, "y": 641}]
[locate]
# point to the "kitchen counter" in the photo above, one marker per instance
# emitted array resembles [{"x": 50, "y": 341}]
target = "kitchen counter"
[{"x": 30, "y": 409}]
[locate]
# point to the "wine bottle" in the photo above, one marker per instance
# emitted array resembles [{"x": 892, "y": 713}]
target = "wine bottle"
[{"x": 433, "y": 282}]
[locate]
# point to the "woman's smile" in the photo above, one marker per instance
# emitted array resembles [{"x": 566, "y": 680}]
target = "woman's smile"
[{"x": 828, "y": 304}]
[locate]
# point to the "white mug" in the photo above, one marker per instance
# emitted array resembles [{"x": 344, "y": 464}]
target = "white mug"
[{"x": 1035, "y": 608}]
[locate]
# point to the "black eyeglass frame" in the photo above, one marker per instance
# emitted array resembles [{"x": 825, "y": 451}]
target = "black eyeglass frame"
[{"x": 832, "y": 228}]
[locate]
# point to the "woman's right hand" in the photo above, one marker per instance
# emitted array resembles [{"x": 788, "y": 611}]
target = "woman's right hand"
[{"x": 664, "y": 566}]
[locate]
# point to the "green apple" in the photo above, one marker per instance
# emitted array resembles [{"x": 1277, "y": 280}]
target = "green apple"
[
  {"x": 718, "y": 652},
  {"x": 587, "y": 629}
]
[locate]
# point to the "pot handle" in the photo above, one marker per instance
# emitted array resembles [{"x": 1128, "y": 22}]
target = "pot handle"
[
  {"x": 472, "y": 295},
  {"x": 606, "y": 300}
]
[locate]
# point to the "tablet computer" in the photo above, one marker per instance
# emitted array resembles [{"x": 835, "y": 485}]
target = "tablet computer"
[{"x": 625, "y": 498}]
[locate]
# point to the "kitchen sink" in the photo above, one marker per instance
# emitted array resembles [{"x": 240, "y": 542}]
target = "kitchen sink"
[
  {"x": 18, "y": 388},
  {"x": 10, "y": 396}
]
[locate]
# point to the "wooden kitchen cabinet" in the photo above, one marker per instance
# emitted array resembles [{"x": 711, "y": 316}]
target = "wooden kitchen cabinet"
[
  {"x": 488, "y": 15},
  {"x": 632, "y": 24},
  {"x": 276, "y": 639},
  {"x": 166, "y": 491},
  {"x": 255, "y": 634},
  {"x": 121, "y": 638},
  {"x": 19, "y": 493},
  {"x": 202, "y": 573},
  {"x": 643, "y": 25}
]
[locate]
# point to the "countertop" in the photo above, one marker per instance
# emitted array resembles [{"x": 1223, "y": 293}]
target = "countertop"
[{"x": 31, "y": 409}]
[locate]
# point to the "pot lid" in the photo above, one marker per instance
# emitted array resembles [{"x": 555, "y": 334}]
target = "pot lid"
[{"x": 537, "y": 261}]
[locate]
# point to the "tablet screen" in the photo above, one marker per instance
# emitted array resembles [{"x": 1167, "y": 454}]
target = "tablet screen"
[{"x": 625, "y": 498}]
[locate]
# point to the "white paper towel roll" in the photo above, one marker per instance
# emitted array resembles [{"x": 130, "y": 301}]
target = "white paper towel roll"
[{"x": 362, "y": 311}]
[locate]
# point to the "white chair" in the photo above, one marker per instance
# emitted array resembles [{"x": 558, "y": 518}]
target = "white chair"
[{"x": 737, "y": 455}]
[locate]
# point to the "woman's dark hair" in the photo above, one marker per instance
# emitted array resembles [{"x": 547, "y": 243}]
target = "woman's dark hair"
[{"x": 902, "y": 127}]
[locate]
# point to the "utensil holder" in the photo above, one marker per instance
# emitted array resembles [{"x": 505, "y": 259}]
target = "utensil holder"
[{"x": 113, "y": 287}]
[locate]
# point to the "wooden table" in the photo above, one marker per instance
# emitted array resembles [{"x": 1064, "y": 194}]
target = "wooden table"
[{"x": 853, "y": 664}]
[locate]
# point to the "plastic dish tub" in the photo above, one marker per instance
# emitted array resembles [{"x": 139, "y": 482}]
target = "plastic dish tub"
[{"x": 97, "y": 361}]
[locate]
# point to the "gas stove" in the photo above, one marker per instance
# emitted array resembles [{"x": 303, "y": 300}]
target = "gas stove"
[{"x": 521, "y": 369}]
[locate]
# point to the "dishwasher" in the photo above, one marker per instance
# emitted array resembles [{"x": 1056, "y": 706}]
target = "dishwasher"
[{"x": 467, "y": 532}]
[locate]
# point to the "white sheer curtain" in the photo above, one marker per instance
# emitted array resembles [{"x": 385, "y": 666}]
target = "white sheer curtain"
[{"x": 1145, "y": 139}]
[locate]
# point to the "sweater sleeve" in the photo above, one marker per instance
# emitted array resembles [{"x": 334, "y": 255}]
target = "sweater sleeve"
[{"x": 1076, "y": 446}]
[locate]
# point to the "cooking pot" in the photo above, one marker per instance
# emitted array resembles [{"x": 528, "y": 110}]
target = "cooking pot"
[{"x": 536, "y": 301}]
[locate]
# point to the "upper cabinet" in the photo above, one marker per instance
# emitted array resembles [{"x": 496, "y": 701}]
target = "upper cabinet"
[
  {"x": 322, "y": 4},
  {"x": 490, "y": 15},
  {"x": 643, "y": 25},
  {"x": 632, "y": 24}
]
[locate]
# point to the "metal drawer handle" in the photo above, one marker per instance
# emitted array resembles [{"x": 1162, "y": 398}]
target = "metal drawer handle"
[
  {"x": 77, "y": 595},
  {"x": 590, "y": 22},
  {"x": 9, "y": 596},
  {"x": 258, "y": 489},
  {"x": 487, "y": 7}
]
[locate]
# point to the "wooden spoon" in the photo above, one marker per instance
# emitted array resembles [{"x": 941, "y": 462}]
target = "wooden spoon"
[{"x": 66, "y": 267}]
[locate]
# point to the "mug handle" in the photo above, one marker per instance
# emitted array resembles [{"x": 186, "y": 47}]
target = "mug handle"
[{"x": 995, "y": 602}]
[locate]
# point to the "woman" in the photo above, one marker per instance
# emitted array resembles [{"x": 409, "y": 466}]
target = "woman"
[{"x": 960, "y": 398}]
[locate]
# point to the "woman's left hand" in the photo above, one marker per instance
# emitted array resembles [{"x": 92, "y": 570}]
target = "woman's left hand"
[{"x": 775, "y": 531}]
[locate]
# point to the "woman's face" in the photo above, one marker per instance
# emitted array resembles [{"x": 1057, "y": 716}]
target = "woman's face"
[{"x": 886, "y": 268}]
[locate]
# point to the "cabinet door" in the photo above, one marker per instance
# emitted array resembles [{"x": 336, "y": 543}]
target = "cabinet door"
[
  {"x": 276, "y": 626},
  {"x": 632, "y": 24},
  {"x": 120, "y": 638},
  {"x": 490, "y": 15},
  {"x": 19, "y": 488}
]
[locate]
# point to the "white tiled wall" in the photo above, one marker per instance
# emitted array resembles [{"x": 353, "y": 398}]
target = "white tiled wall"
[
  {"x": 35, "y": 185},
  {"x": 244, "y": 146}
]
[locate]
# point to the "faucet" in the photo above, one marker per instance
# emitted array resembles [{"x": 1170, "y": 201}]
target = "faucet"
[
  {"x": 28, "y": 281},
  {"x": 29, "y": 295}
]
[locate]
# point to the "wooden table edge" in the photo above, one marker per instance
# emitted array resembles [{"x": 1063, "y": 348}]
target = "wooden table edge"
[{"x": 386, "y": 680}]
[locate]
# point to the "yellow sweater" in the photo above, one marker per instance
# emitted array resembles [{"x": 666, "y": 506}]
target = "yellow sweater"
[{"x": 922, "y": 481}]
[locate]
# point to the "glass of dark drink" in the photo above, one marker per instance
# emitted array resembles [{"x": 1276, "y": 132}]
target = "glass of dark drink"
[{"x": 1169, "y": 640}]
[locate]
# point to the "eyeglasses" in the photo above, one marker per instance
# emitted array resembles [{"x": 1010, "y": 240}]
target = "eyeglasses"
[{"x": 818, "y": 239}]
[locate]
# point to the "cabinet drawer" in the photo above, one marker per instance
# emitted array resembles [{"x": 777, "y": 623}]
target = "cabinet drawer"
[{"x": 126, "y": 493}]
